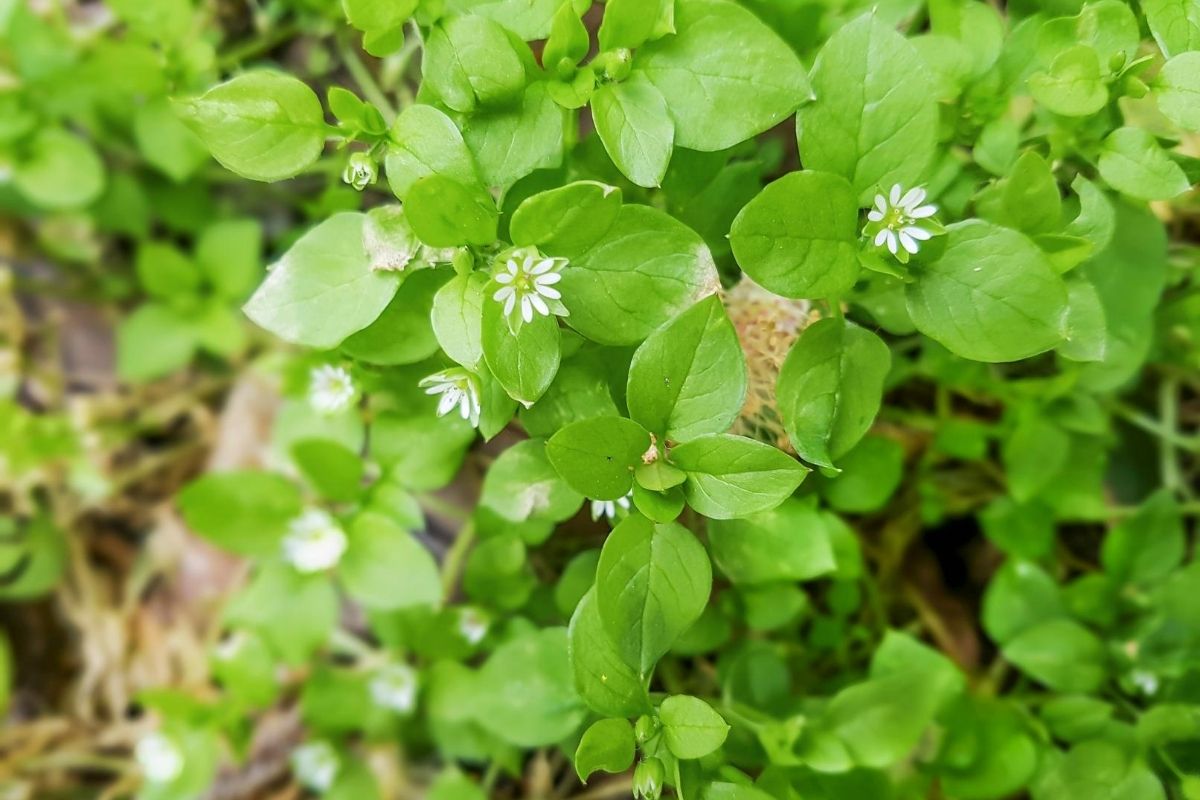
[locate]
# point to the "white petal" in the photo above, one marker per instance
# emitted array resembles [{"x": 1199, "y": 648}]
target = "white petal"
[
  {"x": 505, "y": 277},
  {"x": 894, "y": 197},
  {"x": 919, "y": 234},
  {"x": 441, "y": 387},
  {"x": 526, "y": 309},
  {"x": 464, "y": 406},
  {"x": 544, "y": 280},
  {"x": 448, "y": 401},
  {"x": 509, "y": 304},
  {"x": 881, "y": 237},
  {"x": 547, "y": 291},
  {"x": 881, "y": 203},
  {"x": 527, "y": 265},
  {"x": 540, "y": 305},
  {"x": 503, "y": 292},
  {"x": 875, "y": 216},
  {"x": 542, "y": 267},
  {"x": 923, "y": 212},
  {"x": 512, "y": 266},
  {"x": 891, "y": 242},
  {"x": 913, "y": 197},
  {"x": 907, "y": 242}
]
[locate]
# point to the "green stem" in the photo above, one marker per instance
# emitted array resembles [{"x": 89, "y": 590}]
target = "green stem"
[
  {"x": 1156, "y": 427},
  {"x": 366, "y": 81},
  {"x": 257, "y": 46},
  {"x": 1168, "y": 412},
  {"x": 453, "y": 563}
]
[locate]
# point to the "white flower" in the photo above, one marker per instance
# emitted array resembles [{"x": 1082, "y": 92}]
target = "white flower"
[
  {"x": 1147, "y": 682},
  {"x": 360, "y": 171},
  {"x": 160, "y": 758},
  {"x": 228, "y": 648},
  {"x": 314, "y": 542},
  {"x": 472, "y": 625},
  {"x": 458, "y": 389},
  {"x": 316, "y": 765},
  {"x": 898, "y": 215},
  {"x": 394, "y": 687},
  {"x": 608, "y": 508},
  {"x": 330, "y": 389},
  {"x": 529, "y": 282}
]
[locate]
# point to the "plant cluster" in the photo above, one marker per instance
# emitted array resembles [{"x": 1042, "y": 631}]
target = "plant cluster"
[{"x": 806, "y": 391}]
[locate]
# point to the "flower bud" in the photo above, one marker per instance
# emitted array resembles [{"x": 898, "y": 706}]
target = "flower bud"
[
  {"x": 617, "y": 64},
  {"x": 648, "y": 779},
  {"x": 1135, "y": 87},
  {"x": 360, "y": 171},
  {"x": 645, "y": 728}
]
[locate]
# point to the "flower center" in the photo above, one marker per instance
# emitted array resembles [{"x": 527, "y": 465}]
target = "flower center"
[{"x": 896, "y": 219}]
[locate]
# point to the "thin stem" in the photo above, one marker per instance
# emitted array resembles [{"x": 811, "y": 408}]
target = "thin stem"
[
  {"x": 453, "y": 563},
  {"x": 1159, "y": 429},
  {"x": 366, "y": 81},
  {"x": 256, "y": 46}
]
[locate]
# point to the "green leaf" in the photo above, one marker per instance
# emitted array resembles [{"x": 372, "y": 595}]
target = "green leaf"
[
  {"x": 265, "y": 126},
  {"x": 528, "y": 19},
  {"x": 1030, "y": 196},
  {"x": 1148, "y": 546},
  {"x": 402, "y": 334},
  {"x": 607, "y": 684},
  {"x": 294, "y": 613},
  {"x": 386, "y": 568},
  {"x": 526, "y": 696},
  {"x": 153, "y": 341},
  {"x": 333, "y": 469},
  {"x": 607, "y": 745},
  {"x": 425, "y": 142},
  {"x": 446, "y": 213},
  {"x": 323, "y": 289},
  {"x": 568, "y": 220},
  {"x": 788, "y": 543},
  {"x": 690, "y": 726},
  {"x": 731, "y": 476},
  {"x": 1108, "y": 26},
  {"x": 1061, "y": 654},
  {"x": 568, "y": 42},
  {"x": 1033, "y": 454},
  {"x": 1174, "y": 23},
  {"x": 799, "y": 236},
  {"x": 59, "y": 171},
  {"x": 524, "y": 361},
  {"x": 645, "y": 254},
  {"x": 522, "y": 485},
  {"x": 421, "y": 451},
  {"x": 1178, "y": 90},
  {"x": 652, "y": 583},
  {"x": 871, "y": 472},
  {"x": 597, "y": 456},
  {"x": 378, "y": 15},
  {"x": 512, "y": 142},
  {"x": 166, "y": 142},
  {"x": 875, "y": 118},
  {"x": 244, "y": 512},
  {"x": 689, "y": 377},
  {"x": 229, "y": 254},
  {"x": 991, "y": 296},
  {"x": 722, "y": 58},
  {"x": 1074, "y": 86},
  {"x": 1132, "y": 162},
  {"x": 469, "y": 60},
  {"x": 457, "y": 318},
  {"x": 830, "y": 388},
  {"x": 632, "y": 23},
  {"x": 1020, "y": 596},
  {"x": 164, "y": 271},
  {"x": 633, "y": 121}
]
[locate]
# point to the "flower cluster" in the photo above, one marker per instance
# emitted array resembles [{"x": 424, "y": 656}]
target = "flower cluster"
[{"x": 901, "y": 221}]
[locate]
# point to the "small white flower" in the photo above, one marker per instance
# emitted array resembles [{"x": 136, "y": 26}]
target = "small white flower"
[
  {"x": 160, "y": 758},
  {"x": 458, "y": 390},
  {"x": 228, "y": 648},
  {"x": 472, "y": 625},
  {"x": 528, "y": 281},
  {"x": 314, "y": 542},
  {"x": 898, "y": 216},
  {"x": 330, "y": 389},
  {"x": 608, "y": 508},
  {"x": 316, "y": 765},
  {"x": 394, "y": 688},
  {"x": 360, "y": 172},
  {"x": 1147, "y": 682}
]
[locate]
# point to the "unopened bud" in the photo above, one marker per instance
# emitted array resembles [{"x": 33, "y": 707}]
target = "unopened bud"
[
  {"x": 645, "y": 729},
  {"x": 648, "y": 779}
]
